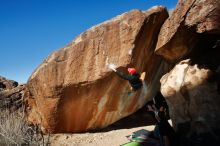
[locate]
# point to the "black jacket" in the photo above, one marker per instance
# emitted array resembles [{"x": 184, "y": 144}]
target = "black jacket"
[
  {"x": 165, "y": 129},
  {"x": 134, "y": 80}
]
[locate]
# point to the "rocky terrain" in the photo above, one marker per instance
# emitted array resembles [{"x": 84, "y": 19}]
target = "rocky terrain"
[
  {"x": 191, "y": 88},
  {"x": 6, "y": 84},
  {"x": 73, "y": 91},
  {"x": 11, "y": 94}
]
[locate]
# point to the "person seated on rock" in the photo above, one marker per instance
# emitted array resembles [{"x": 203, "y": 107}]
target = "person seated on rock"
[
  {"x": 133, "y": 77},
  {"x": 163, "y": 129}
]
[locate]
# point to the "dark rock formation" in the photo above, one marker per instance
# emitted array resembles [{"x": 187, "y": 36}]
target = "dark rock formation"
[
  {"x": 7, "y": 84},
  {"x": 73, "y": 90},
  {"x": 190, "y": 20},
  {"x": 190, "y": 37},
  {"x": 11, "y": 94}
]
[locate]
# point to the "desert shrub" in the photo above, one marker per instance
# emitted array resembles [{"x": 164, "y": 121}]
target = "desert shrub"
[{"x": 15, "y": 130}]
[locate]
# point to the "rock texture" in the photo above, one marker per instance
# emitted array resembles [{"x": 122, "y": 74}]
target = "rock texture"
[
  {"x": 193, "y": 89},
  {"x": 73, "y": 90},
  {"x": 7, "y": 84},
  {"x": 201, "y": 19},
  {"x": 189, "y": 21},
  {"x": 11, "y": 94},
  {"x": 192, "y": 94},
  {"x": 190, "y": 37}
]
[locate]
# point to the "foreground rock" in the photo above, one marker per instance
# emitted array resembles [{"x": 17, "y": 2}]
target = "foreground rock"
[
  {"x": 193, "y": 96},
  {"x": 190, "y": 21},
  {"x": 190, "y": 37},
  {"x": 73, "y": 91}
]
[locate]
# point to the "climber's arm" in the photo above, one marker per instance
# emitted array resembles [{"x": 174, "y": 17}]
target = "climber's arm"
[{"x": 122, "y": 75}]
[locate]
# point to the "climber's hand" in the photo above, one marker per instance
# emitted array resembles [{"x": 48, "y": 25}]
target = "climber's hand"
[
  {"x": 150, "y": 108},
  {"x": 112, "y": 67}
]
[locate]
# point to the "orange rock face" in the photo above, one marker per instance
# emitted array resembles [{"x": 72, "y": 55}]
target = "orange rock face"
[
  {"x": 179, "y": 34},
  {"x": 74, "y": 91}
]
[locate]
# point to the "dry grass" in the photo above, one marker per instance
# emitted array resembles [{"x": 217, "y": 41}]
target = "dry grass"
[{"x": 14, "y": 130}]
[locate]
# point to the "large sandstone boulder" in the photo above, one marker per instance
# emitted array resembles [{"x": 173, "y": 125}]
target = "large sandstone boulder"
[
  {"x": 190, "y": 21},
  {"x": 74, "y": 91},
  {"x": 192, "y": 93}
]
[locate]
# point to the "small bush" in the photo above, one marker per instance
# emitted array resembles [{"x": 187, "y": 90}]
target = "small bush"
[{"x": 14, "y": 130}]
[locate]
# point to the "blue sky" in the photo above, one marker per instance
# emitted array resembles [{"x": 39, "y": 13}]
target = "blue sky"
[{"x": 32, "y": 29}]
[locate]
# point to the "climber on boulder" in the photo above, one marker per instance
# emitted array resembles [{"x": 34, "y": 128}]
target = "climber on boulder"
[{"x": 133, "y": 77}]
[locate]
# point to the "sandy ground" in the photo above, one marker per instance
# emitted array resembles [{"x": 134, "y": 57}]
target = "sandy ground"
[
  {"x": 114, "y": 135},
  {"x": 110, "y": 138}
]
